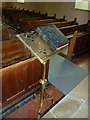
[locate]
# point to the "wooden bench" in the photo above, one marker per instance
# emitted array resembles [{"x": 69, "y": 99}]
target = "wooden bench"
[
  {"x": 13, "y": 51},
  {"x": 82, "y": 43},
  {"x": 8, "y": 32},
  {"x": 5, "y": 33},
  {"x": 19, "y": 81},
  {"x": 65, "y": 23},
  {"x": 50, "y": 20},
  {"x": 11, "y": 15},
  {"x": 32, "y": 24},
  {"x": 58, "y": 22},
  {"x": 14, "y": 17},
  {"x": 20, "y": 74}
]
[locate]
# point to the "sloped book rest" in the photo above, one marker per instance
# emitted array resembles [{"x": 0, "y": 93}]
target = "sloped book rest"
[{"x": 53, "y": 36}]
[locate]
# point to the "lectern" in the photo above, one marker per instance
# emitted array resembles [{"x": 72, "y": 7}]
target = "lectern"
[{"x": 44, "y": 42}]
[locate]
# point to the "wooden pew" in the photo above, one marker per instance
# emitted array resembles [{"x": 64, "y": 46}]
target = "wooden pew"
[
  {"x": 58, "y": 22},
  {"x": 8, "y": 32},
  {"x": 13, "y": 51},
  {"x": 82, "y": 43},
  {"x": 68, "y": 30},
  {"x": 20, "y": 80},
  {"x": 51, "y": 20},
  {"x": 5, "y": 33},
  {"x": 20, "y": 74},
  {"x": 14, "y": 16},
  {"x": 18, "y": 21},
  {"x": 32, "y": 23},
  {"x": 65, "y": 23},
  {"x": 11, "y": 15}
]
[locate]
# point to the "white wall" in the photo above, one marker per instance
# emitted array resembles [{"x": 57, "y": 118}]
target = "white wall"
[
  {"x": 6, "y": 4},
  {"x": 60, "y": 8},
  {"x": 64, "y": 8},
  {"x": 0, "y": 4},
  {"x": 26, "y": 5}
]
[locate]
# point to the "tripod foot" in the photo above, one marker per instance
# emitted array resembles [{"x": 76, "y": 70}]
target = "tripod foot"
[{"x": 39, "y": 116}]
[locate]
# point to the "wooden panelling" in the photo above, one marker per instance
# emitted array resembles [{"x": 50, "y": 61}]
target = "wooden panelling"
[
  {"x": 82, "y": 42},
  {"x": 20, "y": 78}
]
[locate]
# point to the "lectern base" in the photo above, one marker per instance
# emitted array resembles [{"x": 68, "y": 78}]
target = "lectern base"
[
  {"x": 43, "y": 94},
  {"x": 43, "y": 97},
  {"x": 30, "y": 109}
]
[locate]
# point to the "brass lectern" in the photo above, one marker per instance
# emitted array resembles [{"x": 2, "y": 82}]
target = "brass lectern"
[{"x": 45, "y": 42}]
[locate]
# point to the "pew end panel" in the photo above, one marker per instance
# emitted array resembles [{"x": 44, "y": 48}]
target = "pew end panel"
[
  {"x": 20, "y": 79},
  {"x": 72, "y": 45}
]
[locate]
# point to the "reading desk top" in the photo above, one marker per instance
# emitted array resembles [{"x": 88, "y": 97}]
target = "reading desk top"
[{"x": 34, "y": 42}]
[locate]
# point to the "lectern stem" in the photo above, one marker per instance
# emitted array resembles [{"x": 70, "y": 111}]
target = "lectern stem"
[
  {"x": 42, "y": 95},
  {"x": 44, "y": 71}
]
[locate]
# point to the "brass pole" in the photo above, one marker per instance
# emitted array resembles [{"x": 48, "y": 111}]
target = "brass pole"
[{"x": 43, "y": 83}]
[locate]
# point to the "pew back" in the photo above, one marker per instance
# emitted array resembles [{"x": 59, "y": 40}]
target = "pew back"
[
  {"x": 82, "y": 42},
  {"x": 13, "y": 51}
]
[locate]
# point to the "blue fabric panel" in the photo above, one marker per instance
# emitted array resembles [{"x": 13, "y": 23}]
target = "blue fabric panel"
[{"x": 64, "y": 74}]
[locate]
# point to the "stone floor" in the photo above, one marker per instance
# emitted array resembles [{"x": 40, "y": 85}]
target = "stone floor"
[{"x": 75, "y": 104}]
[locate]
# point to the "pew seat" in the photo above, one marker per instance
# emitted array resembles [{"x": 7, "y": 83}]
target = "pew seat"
[{"x": 13, "y": 51}]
